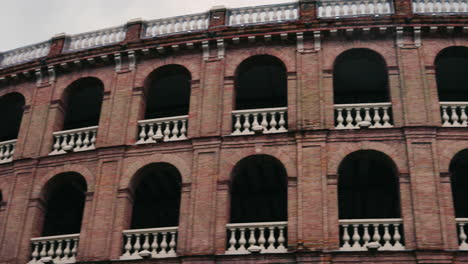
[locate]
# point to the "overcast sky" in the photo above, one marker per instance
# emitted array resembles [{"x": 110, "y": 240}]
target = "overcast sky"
[{"x": 24, "y": 22}]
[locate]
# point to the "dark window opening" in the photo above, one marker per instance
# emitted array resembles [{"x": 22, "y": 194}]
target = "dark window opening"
[
  {"x": 452, "y": 74},
  {"x": 11, "y": 113},
  {"x": 65, "y": 199},
  {"x": 83, "y": 100},
  {"x": 459, "y": 171},
  {"x": 368, "y": 186},
  {"x": 168, "y": 92},
  {"x": 259, "y": 190},
  {"x": 360, "y": 76},
  {"x": 157, "y": 197},
  {"x": 261, "y": 82}
]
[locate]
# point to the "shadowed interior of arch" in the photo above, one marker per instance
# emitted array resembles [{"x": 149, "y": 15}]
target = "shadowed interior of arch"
[
  {"x": 168, "y": 92},
  {"x": 360, "y": 76},
  {"x": 65, "y": 197},
  {"x": 452, "y": 74},
  {"x": 261, "y": 82},
  {"x": 11, "y": 113},
  {"x": 157, "y": 196},
  {"x": 459, "y": 180},
  {"x": 83, "y": 103},
  {"x": 368, "y": 186},
  {"x": 258, "y": 190}
]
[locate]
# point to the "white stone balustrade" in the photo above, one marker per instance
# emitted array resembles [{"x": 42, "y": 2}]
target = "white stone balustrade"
[
  {"x": 265, "y": 120},
  {"x": 454, "y": 114},
  {"x": 350, "y": 116},
  {"x": 74, "y": 140},
  {"x": 269, "y": 237},
  {"x": 462, "y": 225},
  {"x": 356, "y": 234},
  {"x": 354, "y": 8},
  {"x": 263, "y": 14},
  {"x": 162, "y": 129},
  {"x": 159, "y": 242},
  {"x": 7, "y": 149},
  {"x": 24, "y": 54},
  {"x": 174, "y": 25},
  {"x": 96, "y": 38},
  {"x": 61, "y": 249},
  {"x": 434, "y": 7}
]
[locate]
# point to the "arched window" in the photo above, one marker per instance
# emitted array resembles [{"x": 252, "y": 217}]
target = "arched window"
[
  {"x": 157, "y": 196},
  {"x": 368, "y": 186},
  {"x": 261, "y": 82},
  {"x": 83, "y": 100},
  {"x": 259, "y": 190},
  {"x": 168, "y": 92},
  {"x": 11, "y": 109},
  {"x": 65, "y": 198},
  {"x": 360, "y": 76},
  {"x": 451, "y": 66},
  {"x": 459, "y": 171}
]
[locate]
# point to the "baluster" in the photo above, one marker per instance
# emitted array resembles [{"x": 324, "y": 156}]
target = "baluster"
[
  {"x": 250, "y": 17},
  {"x": 271, "y": 239},
  {"x": 3, "y": 150},
  {"x": 349, "y": 118},
  {"x": 339, "y": 118},
  {"x": 74, "y": 250},
  {"x": 44, "y": 249},
  {"x": 237, "y": 125},
  {"x": 275, "y": 14},
  {"x": 273, "y": 123},
  {"x": 128, "y": 245},
  {"x": 454, "y": 116},
  {"x": 175, "y": 130},
  {"x": 282, "y": 123},
  {"x": 386, "y": 117},
  {"x": 282, "y": 13},
  {"x": 377, "y": 117},
  {"x": 366, "y": 236},
  {"x": 172, "y": 244},
  {"x": 252, "y": 240},
  {"x": 183, "y": 130},
  {"x": 136, "y": 246},
  {"x": 397, "y": 237},
  {"x": 255, "y": 120},
  {"x": 261, "y": 238},
  {"x": 93, "y": 139},
  {"x": 58, "y": 252},
  {"x": 142, "y": 134},
  {"x": 356, "y": 237},
  {"x": 346, "y": 238},
  {"x": 376, "y": 236},
  {"x": 281, "y": 239},
  {"x": 163, "y": 244},
  {"x": 66, "y": 251},
  {"x": 35, "y": 253},
  {"x": 463, "y": 117},
  {"x": 445, "y": 117},
  {"x": 358, "y": 118},
  {"x": 79, "y": 142},
  {"x": 463, "y": 237},
  {"x": 242, "y": 240},
  {"x": 86, "y": 141},
  {"x": 232, "y": 241},
  {"x": 242, "y": 17},
  {"x": 64, "y": 143},
  {"x": 386, "y": 237},
  {"x": 167, "y": 131},
  {"x": 267, "y": 17},
  {"x": 246, "y": 126},
  {"x": 154, "y": 245},
  {"x": 71, "y": 143},
  {"x": 159, "y": 134},
  {"x": 51, "y": 251},
  {"x": 146, "y": 241},
  {"x": 150, "y": 133}
]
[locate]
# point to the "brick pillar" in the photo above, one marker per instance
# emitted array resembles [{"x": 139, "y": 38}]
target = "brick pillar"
[
  {"x": 57, "y": 45},
  {"x": 309, "y": 90},
  {"x": 184, "y": 220},
  {"x": 307, "y": 10},
  {"x": 448, "y": 211},
  {"x": 328, "y": 101},
  {"x": 23, "y": 132},
  {"x": 218, "y": 17},
  {"x": 122, "y": 221},
  {"x": 403, "y": 8},
  {"x": 137, "y": 112},
  {"x": 223, "y": 208},
  {"x": 332, "y": 235},
  {"x": 85, "y": 232},
  {"x": 194, "y": 111},
  {"x": 134, "y": 28}
]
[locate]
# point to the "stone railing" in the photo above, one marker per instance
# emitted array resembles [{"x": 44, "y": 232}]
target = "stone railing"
[
  {"x": 269, "y": 237},
  {"x": 263, "y": 14},
  {"x": 74, "y": 140},
  {"x": 24, "y": 54},
  {"x": 163, "y": 129},
  {"x": 189, "y": 23},
  {"x": 442, "y": 7},
  {"x": 96, "y": 38},
  {"x": 454, "y": 114},
  {"x": 151, "y": 242},
  {"x": 265, "y": 120},
  {"x": 357, "y": 234},
  {"x": 350, "y": 8},
  {"x": 60, "y": 249},
  {"x": 354, "y": 116},
  {"x": 462, "y": 224},
  {"x": 7, "y": 149}
]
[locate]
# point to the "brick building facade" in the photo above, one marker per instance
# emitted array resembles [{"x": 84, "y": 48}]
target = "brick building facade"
[{"x": 414, "y": 135}]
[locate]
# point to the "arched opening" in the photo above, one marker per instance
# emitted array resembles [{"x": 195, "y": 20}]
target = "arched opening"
[
  {"x": 157, "y": 196},
  {"x": 451, "y": 66},
  {"x": 459, "y": 172},
  {"x": 83, "y": 100},
  {"x": 261, "y": 82},
  {"x": 11, "y": 107},
  {"x": 64, "y": 195},
  {"x": 259, "y": 190},
  {"x": 360, "y": 76},
  {"x": 368, "y": 186},
  {"x": 168, "y": 92}
]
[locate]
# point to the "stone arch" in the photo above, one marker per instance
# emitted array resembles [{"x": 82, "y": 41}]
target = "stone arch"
[
  {"x": 76, "y": 168},
  {"x": 447, "y": 151},
  {"x": 459, "y": 182},
  {"x": 12, "y": 106},
  {"x": 451, "y": 68},
  {"x": 336, "y": 156},
  {"x": 144, "y": 72},
  {"x": 179, "y": 163},
  {"x": 63, "y": 84},
  {"x": 431, "y": 57},
  {"x": 384, "y": 51},
  {"x": 240, "y": 57}
]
